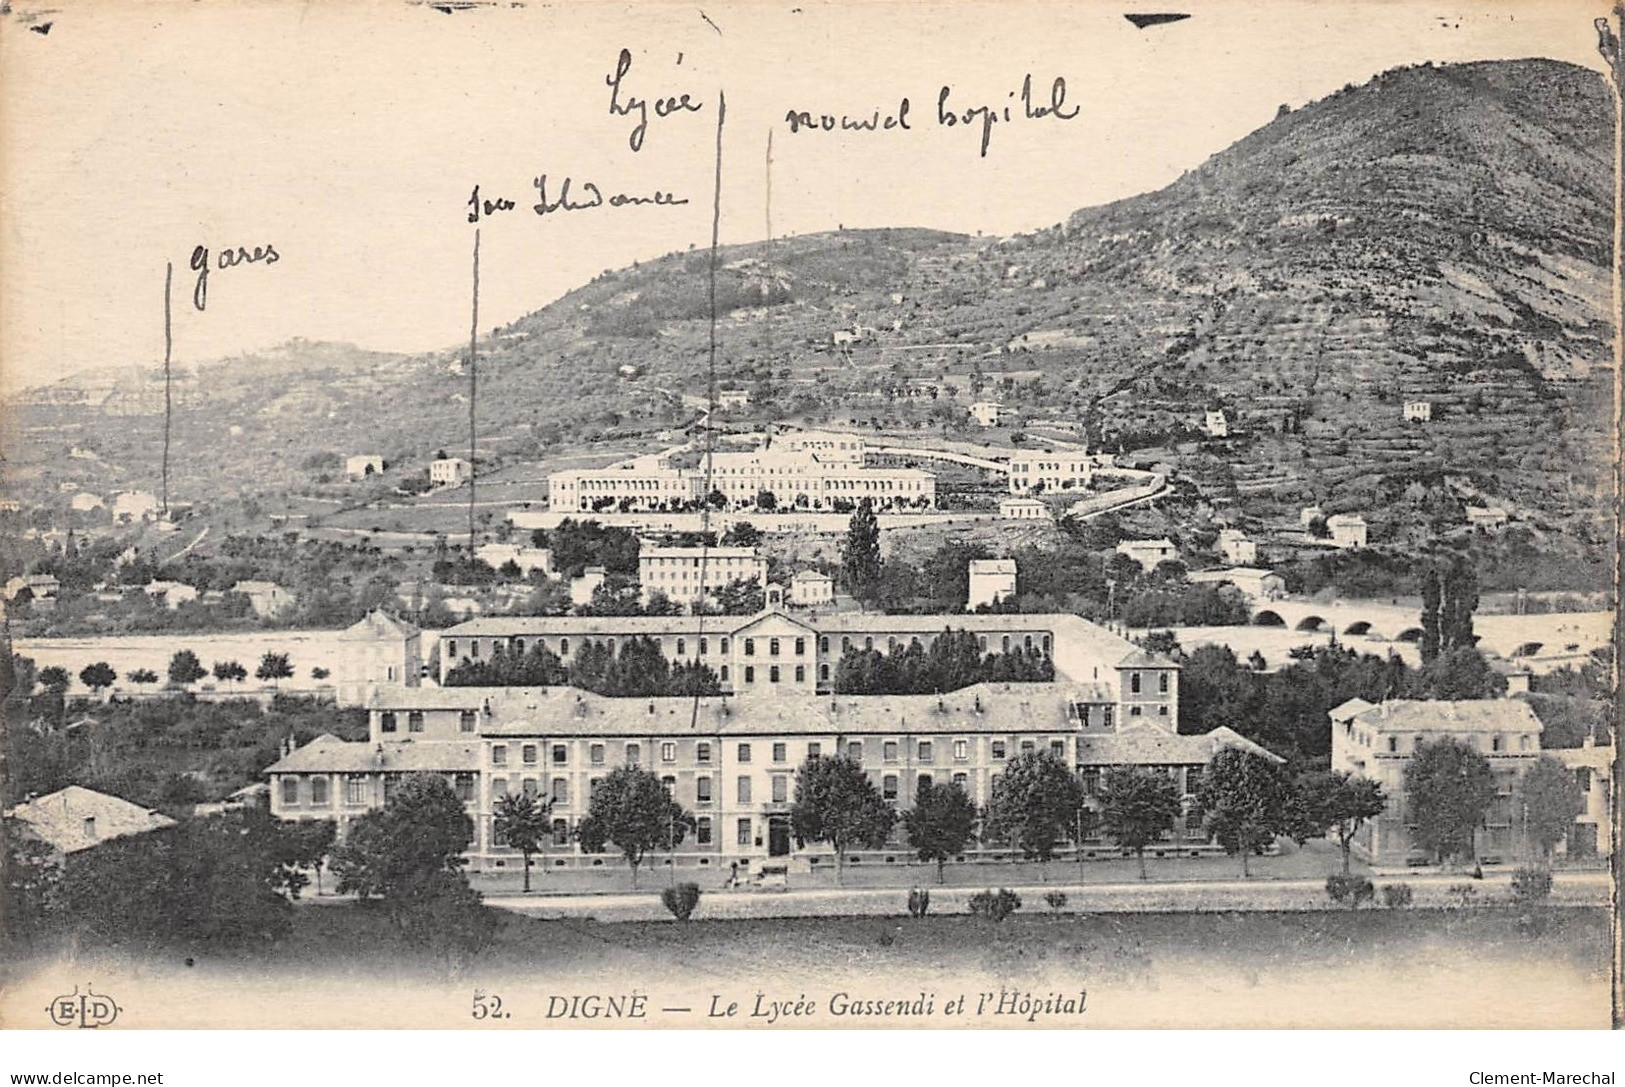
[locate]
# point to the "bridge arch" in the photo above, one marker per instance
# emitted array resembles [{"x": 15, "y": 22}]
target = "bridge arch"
[{"x": 1267, "y": 618}]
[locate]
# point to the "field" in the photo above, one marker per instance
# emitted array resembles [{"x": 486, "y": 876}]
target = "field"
[{"x": 1375, "y": 968}]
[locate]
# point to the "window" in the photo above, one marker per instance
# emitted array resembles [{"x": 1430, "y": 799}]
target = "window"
[
  {"x": 1393, "y": 743},
  {"x": 1582, "y": 778},
  {"x": 290, "y": 795},
  {"x": 702, "y": 830},
  {"x": 1162, "y": 711},
  {"x": 868, "y": 644},
  {"x": 814, "y": 749},
  {"x": 474, "y": 648},
  {"x": 595, "y": 754},
  {"x": 1108, "y": 714},
  {"x": 465, "y": 721},
  {"x": 1027, "y": 747},
  {"x": 499, "y": 755},
  {"x": 723, "y": 675},
  {"x": 499, "y": 788},
  {"x": 318, "y": 791},
  {"x": 592, "y": 787},
  {"x": 923, "y": 752},
  {"x": 1193, "y": 780},
  {"x": 921, "y": 784},
  {"x": 772, "y": 647},
  {"x": 669, "y": 783},
  {"x": 743, "y": 753},
  {"x": 561, "y": 832},
  {"x": 823, "y": 643},
  {"x": 634, "y": 752},
  {"x": 1134, "y": 682},
  {"x": 724, "y": 646},
  {"x": 1523, "y": 743},
  {"x": 744, "y": 837},
  {"x": 1004, "y": 643},
  {"x": 414, "y": 721},
  {"x": 1134, "y": 711},
  {"x": 961, "y": 750},
  {"x": 801, "y": 673},
  {"x": 801, "y": 647},
  {"x": 386, "y": 723},
  {"x": 451, "y": 650},
  {"x": 355, "y": 789},
  {"x": 527, "y": 754},
  {"x": 888, "y": 750},
  {"x": 702, "y": 752},
  {"x": 888, "y": 787},
  {"x": 528, "y": 787},
  {"x": 1495, "y": 744},
  {"x": 854, "y": 750},
  {"x": 998, "y": 749},
  {"x": 668, "y": 751},
  {"x": 742, "y": 792},
  {"x": 1162, "y": 682},
  {"x": 564, "y": 647},
  {"x": 823, "y": 673},
  {"x": 561, "y": 754},
  {"x": 846, "y": 643},
  {"x": 1058, "y": 748},
  {"x": 750, "y": 647},
  {"x": 773, "y": 674},
  {"x": 702, "y": 789},
  {"x": 682, "y": 646},
  {"x": 561, "y": 790},
  {"x": 705, "y": 646},
  {"x": 1091, "y": 780},
  {"x": 961, "y": 780},
  {"x": 750, "y": 673},
  {"x": 780, "y": 752},
  {"x": 781, "y": 788}
]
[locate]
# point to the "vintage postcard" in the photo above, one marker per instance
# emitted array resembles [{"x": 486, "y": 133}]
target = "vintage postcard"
[{"x": 808, "y": 515}]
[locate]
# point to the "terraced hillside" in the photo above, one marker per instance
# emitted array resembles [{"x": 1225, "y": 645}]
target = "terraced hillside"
[{"x": 1440, "y": 233}]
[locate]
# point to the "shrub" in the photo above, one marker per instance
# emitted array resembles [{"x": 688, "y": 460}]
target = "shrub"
[
  {"x": 1056, "y": 900},
  {"x": 1396, "y": 895},
  {"x": 1463, "y": 893},
  {"x": 995, "y": 905},
  {"x": 1350, "y": 890},
  {"x": 1531, "y": 885},
  {"x": 919, "y": 902},
  {"x": 681, "y": 899}
]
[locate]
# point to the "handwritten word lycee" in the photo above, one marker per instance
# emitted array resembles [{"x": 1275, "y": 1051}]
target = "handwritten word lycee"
[
  {"x": 593, "y": 197},
  {"x": 229, "y": 258},
  {"x": 633, "y": 106}
]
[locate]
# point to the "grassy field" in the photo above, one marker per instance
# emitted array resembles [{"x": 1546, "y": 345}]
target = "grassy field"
[{"x": 1375, "y": 968}]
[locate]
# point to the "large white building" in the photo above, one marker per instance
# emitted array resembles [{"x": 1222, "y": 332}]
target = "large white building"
[
  {"x": 990, "y": 581},
  {"x": 1048, "y": 471},
  {"x": 797, "y": 478},
  {"x": 731, "y": 759},
  {"x": 688, "y": 575}
]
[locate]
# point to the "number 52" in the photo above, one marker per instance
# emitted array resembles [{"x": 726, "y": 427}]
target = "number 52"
[{"x": 487, "y": 1007}]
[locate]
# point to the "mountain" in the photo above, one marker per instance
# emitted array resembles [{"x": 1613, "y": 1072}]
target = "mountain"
[{"x": 1439, "y": 233}]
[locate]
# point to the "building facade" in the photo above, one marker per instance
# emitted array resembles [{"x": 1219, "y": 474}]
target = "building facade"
[
  {"x": 989, "y": 582},
  {"x": 1378, "y": 742},
  {"x": 731, "y": 760},
  {"x": 688, "y": 575},
  {"x": 450, "y": 471},
  {"x": 1050, "y": 471}
]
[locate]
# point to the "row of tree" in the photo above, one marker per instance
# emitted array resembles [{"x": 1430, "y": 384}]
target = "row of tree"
[
  {"x": 953, "y": 660},
  {"x": 636, "y": 668},
  {"x": 184, "y": 669}
]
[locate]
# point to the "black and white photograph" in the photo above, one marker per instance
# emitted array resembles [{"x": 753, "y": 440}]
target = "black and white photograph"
[{"x": 850, "y": 515}]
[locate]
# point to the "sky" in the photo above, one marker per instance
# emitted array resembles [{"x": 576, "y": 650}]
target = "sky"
[{"x": 349, "y": 136}]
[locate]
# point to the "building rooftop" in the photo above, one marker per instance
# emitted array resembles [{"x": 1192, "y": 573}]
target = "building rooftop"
[
  {"x": 378, "y": 624},
  {"x": 76, "y": 818},
  {"x": 327, "y": 754},
  {"x": 1485, "y": 715},
  {"x": 1147, "y": 743}
]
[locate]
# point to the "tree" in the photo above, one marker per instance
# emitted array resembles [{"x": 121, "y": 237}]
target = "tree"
[
  {"x": 421, "y": 830},
  {"x": 1448, "y": 788},
  {"x": 184, "y": 668},
  {"x": 940, "y": 824},
  {"x": 273, "y": 667},
  {"x": 1137, "y": 807},
  {"x": 633, "y": 811},
  {"x": 32, "y": 880},
  {"x": 54, "y": 678},
  {"x": 837, "y": 803},
  {"x": 1034, "y": 805},
  {"x": 860, "y": 556},
  {"x": 1333, "y": 800},
  {"x": 142, "y": 676},
  {"x": 1162, "y": 642},
  {"x": 307, "y": 844},
  {"x": 229, "y": 671},
  {"x": 741, "y": 596},
  {"x": 522, "y": 821},
  {"x": 1552, "y": 800},
  {"x": 98, "y": 676},
  {"x": 1245, "y": 800},
  {"x": 742, "y": 534},
  {"x": 1449, "y": 597}
]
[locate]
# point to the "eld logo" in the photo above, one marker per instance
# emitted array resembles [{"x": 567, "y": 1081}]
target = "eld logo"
[{"x": 86, "y": 1010}]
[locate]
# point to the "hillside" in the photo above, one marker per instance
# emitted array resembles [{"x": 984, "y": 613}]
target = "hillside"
[{"x": 1439, "y": 233}]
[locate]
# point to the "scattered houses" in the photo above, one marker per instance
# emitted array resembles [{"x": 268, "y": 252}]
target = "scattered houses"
[
  {"x": 1486, "y": 516},
  {"x": 131, "y": 506},
  {"x": 85, "y": 502},
  {"x": 1347, "y": 529},
  {"x": 1418, "y": 411},
  {"x": 1236, "y": 548},
  {"x": 1148, "y": 553},
  {"x": 1256, "y": 583},
  {"x": 986, "y": 412},
  {"x": 527, "y": 559},
  {"x": 1050, "y": 471},
  {"x": 268, "y": 599},
  {"x": 39, "y": 587},
  {"x": 170, "y": 594},
  {"x": 1024, "y": 509},
  {"x": 1217, "y": 424},
  {"x": 450, "y": 471},
  {"x": 363, "y": 465},
  {"x": 811, "y": 588}
]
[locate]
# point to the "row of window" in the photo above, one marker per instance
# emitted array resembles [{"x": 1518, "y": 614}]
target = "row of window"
[
  {"x": 775, "y": 647},
  {"x": 1134, "y": 682},
  {"x": 924, "y": 751},
  {"x": 357, "y": 791}
]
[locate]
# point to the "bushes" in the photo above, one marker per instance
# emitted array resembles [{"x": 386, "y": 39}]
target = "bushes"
[
  {"x": 681, "y": 899},
  {"x": 1531, "y": 885},
  {"x": 1056, "y": 900},
  {"x": 1396, "y": 895},
  {"x": 1350, "y": 891},
  {"x": 919, "y": 902},
  {"x": 995, "y": 905}
]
